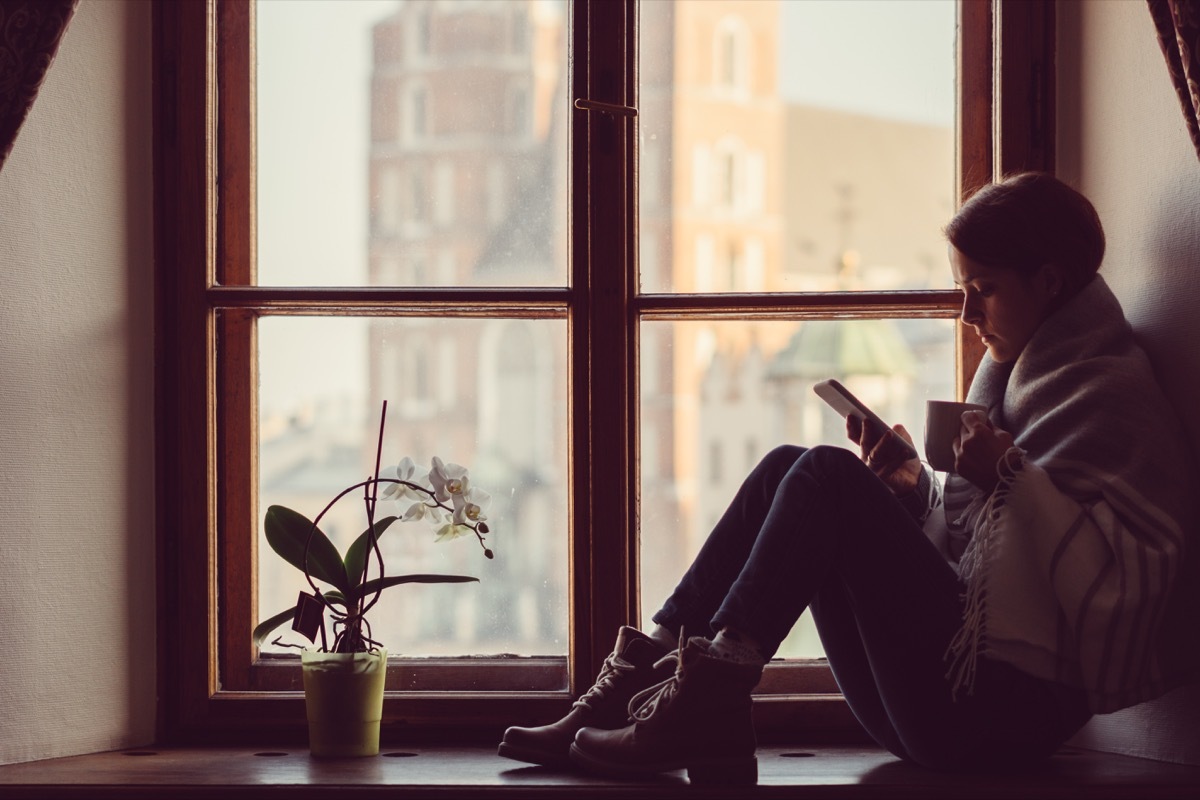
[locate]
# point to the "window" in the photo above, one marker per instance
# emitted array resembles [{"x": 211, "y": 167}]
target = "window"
[
  {"x": 731, "y": 55},
  {"x": 518, "y": 103},
  {"x": 519, "y": 31},
  {"x": 418, "y": 196},
  {"x": 494, "y": 193},
  {"x": 730, "y": 175},
  {"x": 575, "y": 310},
  {"x": 387, "y": 205},
  {"x": 716, "y": 462},
  {"x": 418, "y": 272},
  {"x": 422, "y": 33},
  {"x": 417, "y": 118},
  {"x": 443, "y": 196},
  {"x": 734, "y": 267}
]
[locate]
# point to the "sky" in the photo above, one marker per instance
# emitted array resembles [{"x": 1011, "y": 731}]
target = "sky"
[{"x": 889, "y": 58}]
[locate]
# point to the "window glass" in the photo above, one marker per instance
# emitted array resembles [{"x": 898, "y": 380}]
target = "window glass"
[
  {"x": 738, "y": 389},
  {"x": 836, "y": 153},
  {"x": 810, "y": 147},
  {"x": 418, "y": 144},
  {"x": 489, "y": 394},
  {"x": 388, "y": 129}
]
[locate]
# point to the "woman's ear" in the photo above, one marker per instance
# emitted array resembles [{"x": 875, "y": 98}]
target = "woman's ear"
[{"x": 1051, "y": 276}]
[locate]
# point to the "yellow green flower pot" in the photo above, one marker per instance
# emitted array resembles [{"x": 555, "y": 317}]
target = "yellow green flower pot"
[{"x": 343, "y": 695}]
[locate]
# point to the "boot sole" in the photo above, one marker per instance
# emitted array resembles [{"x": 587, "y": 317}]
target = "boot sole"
[
  {"x": 725, "y": 771},
  {"x": 540, "y": 757}
]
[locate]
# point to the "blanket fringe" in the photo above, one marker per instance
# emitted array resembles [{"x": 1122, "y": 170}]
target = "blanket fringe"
[{"x": 967, "y": 645}]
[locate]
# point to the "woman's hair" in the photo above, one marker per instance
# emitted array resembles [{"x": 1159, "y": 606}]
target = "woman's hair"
[{"x": 1027, "y": 220}]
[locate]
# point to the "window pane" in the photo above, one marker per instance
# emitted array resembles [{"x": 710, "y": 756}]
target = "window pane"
[
  {"x": 489, "y": 394},
  {"x": 796, "y": 146},
  {"x": 717, "y": 396},
  {"x": 411, "y": 144}
]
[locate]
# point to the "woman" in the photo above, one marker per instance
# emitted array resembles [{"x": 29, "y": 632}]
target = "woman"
[{"x": 977, "y": 633}]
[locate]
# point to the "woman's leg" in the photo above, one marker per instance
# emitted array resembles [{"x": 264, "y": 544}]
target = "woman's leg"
[
  {"x": 707, "y": 581},
  {"x": 701, "y": 719},
  {"x": 847, "y": 657},
  {"x": 887, "y": 608},
  {"x": 829, "y": 512},
  {"x": 631, "y": 667},
  {"x": 886, "y": 636},
  {"x": 887, "y": 603}
]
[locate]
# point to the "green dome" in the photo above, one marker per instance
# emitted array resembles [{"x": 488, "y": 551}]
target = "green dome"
[{"x": 836, "y": 348}]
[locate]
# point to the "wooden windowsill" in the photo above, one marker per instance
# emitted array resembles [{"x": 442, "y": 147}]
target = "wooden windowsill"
[{"x": 476, "y": 772}]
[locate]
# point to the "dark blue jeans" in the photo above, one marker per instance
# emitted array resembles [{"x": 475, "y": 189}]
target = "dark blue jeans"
[{"x": 816, "y": 529}]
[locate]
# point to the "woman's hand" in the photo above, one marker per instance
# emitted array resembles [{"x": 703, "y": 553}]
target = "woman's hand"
[
  {"x": 886, "y": 455},
  {"x": 978, "y": 450}
]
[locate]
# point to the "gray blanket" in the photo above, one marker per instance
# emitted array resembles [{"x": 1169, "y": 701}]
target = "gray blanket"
[{"x": 1070, "y": 561}]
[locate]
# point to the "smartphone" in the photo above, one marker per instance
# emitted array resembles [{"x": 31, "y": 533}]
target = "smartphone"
[{"x": 846, "y": 404}]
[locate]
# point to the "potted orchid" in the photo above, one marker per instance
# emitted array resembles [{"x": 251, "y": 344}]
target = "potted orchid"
[{"x": 344, "y": 675}]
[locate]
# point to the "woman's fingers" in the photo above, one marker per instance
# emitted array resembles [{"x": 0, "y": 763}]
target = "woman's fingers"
[
  {"x": 978, "y": 449},
  {"x": 888, "y": 453},
  {"x": 854, "y": 429},
  {"x": 889, "y": 460}
]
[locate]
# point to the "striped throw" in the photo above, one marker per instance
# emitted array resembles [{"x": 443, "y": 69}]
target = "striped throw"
[{"x": 1071, "y": 561}]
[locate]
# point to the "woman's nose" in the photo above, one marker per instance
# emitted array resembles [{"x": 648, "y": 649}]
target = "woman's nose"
[{"x": 970, "y": 310}]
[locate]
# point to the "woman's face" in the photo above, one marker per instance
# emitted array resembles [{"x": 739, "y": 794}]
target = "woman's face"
[{"x": 1003, "y": 306}]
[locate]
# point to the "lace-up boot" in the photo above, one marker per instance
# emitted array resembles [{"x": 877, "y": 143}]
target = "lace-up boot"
[
  {"x": 699, "y": 720},
  {"x": 630, "y": 668}
]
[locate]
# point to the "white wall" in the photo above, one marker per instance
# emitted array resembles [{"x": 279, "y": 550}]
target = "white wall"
[
  {"x": 76, "y": 400},
  {"x": 1122, "y": 141}
]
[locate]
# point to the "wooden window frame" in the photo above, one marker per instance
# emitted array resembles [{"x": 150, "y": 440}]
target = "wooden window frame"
[{"x": 206, "y": 303}]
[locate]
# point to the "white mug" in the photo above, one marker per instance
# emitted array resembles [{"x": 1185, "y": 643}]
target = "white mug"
[{"x": 943, "y": 424}]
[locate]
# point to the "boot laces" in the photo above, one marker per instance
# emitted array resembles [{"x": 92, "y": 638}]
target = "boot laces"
[
  {"x": 644, "y": 704},
  {"x": 610, "y": 673}
]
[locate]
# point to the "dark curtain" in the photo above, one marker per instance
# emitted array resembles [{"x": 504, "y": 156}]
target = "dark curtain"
[
  {"x": 1178, "y": 24},
  {"x": 30, "y": 31}
]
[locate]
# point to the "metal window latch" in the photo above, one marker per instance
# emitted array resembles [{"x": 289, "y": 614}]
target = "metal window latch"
[{"x": 608, "y": 108}]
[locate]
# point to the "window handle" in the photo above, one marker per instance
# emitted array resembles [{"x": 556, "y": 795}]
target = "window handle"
[{"x": 615, "y": 109}]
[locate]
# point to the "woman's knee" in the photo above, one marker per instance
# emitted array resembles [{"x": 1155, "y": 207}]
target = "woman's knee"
[
  {"x": 830, "y": 464},
  {"x": 783, "y": 455},
  {"x": 833, "y": 457},
  {"x": 774, "y": 465}
]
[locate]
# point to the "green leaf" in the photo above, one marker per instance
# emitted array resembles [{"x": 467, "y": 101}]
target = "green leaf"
[
  {"x": 264, "y": 628},
  {"x": 356, "y": 556},
  {"x": 370, "y": 587},
  {"x": 334, "y": 596},
  {"x": 287, "y": 533}
]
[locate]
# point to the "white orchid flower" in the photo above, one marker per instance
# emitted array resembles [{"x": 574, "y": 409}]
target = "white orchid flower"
[
  {"x": 406, "y": 470},
  {"x": 415, "y": 512},
  {"x": 423, "y": 509},
  {"x": 470, "y": 505},
  {"x": 451, "y": 531},
  {"x": 447, "y": 479}
]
